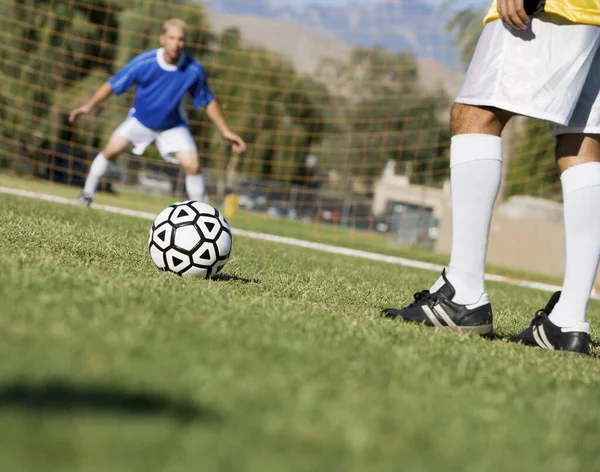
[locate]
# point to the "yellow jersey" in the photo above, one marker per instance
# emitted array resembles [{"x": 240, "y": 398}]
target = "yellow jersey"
[{"x": 577, "y": 11}]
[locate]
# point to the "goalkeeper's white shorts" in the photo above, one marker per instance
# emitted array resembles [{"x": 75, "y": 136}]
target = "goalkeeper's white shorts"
[
  {"x": 551, "y": 71},
  {"x": 168, "y": 142}
]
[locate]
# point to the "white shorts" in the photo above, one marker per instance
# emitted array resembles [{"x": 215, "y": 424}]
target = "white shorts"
[
  {"x": 168, "y": 142},
  {"x": 551, "y": 71}
]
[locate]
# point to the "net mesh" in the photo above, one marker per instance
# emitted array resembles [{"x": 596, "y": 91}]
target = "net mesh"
[{"x": 344, "y": 107}]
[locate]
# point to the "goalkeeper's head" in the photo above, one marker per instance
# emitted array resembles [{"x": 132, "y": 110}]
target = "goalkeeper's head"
[{"x": 172, "y": 38}]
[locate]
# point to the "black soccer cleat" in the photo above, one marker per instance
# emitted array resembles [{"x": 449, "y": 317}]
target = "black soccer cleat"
[
  {"x": 84, "y": 200},
  {"x": 438, "y": 310},
  {"x": 546, "y": 335}
]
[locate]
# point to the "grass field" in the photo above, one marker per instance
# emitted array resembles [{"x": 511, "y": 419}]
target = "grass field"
[
  {"x": 321, "y": 233},
  {"x": 283, "y": 364}
]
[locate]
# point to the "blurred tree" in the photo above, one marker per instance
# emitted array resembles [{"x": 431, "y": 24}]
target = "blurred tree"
[
  {"x": 532, "y": 169},
  {"x": 466, "y": 24},
  {"x": 53, "y": 44},
  {"x": 277, "y": 111},
  {"x": 387, "y": 116},
  {"x": 61, "y": 51}
]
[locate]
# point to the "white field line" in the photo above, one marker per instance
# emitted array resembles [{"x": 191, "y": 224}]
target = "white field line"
[{"x": 293, "y": 242}]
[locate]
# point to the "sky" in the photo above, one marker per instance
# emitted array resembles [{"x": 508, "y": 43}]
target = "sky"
[{"x": 436, "y": 3}]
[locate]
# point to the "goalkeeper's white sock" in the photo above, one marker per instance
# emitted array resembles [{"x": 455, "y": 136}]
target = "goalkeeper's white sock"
[
  {"x": 581, "y": 196},
  {"x": 194, "y": 184},
  {"x": 97, "y": 170},
  {"x": 476, "y": 172}
]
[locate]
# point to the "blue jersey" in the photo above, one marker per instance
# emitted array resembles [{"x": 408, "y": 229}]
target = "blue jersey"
[{"x": 162, "y": 88}]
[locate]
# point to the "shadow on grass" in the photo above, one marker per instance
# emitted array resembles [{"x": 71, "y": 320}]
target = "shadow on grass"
[
  {"x": 593, "y": 344},
  {"x": 504, "y": 338},
  {"x": 233, "y": 278},
  {"x": 58, "y": 396}
]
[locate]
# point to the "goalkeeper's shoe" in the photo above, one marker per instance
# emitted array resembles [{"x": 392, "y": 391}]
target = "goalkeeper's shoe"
[
  {"x": 438, "y": 310},
  {"x": 84, "y": 200},
  {"x": 546, "y": 335}
]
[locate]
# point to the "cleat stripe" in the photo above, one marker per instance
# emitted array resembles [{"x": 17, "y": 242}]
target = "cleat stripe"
[
  {"x": 540, "y": 342},
  {"x": 542, "y": 333},
  {"x": 439, "y": 310},
  {"x": 537, "y": 339},
  {"x": 431, "y": 316}
]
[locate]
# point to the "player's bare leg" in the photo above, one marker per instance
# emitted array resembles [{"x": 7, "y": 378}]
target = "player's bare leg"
[
  {"x": 468, "y": 119},
  {"x": 576, "y": 149},
  {"x": 562, "y": 324},
  {"x": 194, "y": 178},
  {"x": 458, "y": 299},
  {"x": 116, "y": 145}
]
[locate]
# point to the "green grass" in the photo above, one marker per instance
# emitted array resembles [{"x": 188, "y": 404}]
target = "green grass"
[
  {"x": 108, "y": 364},
  {"x": 321, "y": 233}
]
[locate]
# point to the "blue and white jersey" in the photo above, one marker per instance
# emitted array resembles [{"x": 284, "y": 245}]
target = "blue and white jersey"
[{"x": 162, "y": 88}]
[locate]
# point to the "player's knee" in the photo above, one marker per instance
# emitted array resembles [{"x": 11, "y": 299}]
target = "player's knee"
[
  {"x": 192, "y": 167},
  {"x": 577, "y": 148},
  {"x": 109, "y": 154},
  {"x": 112, "y": 150},
  {"x": 568, "y": 145}
]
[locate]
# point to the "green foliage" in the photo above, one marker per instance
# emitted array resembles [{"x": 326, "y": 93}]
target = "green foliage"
[
  {"x": 60, "y": 52},
  {"x": 277, "y": 111},
  {"x": 286, "y": 365},
  {"x": 531, "y": 168},
  {"x": 385, "y": 114},
  {"x": 52, "y": 45},
  {"x": 467, "y": 25},
  {"x": 140, "y": 23}
]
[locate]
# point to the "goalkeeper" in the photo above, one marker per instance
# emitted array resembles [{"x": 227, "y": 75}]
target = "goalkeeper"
[{"x": 164, "y": 79}]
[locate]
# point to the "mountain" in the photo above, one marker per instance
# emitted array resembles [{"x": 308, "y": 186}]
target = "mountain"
[
  {"x": 392, "y": 24},
  {"x": 307, "y": 46}
]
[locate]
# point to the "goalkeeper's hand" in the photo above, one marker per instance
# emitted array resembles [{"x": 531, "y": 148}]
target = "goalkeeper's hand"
[
  {"x": 85, "y": 109},
  {"x": 238, "y": 145}
]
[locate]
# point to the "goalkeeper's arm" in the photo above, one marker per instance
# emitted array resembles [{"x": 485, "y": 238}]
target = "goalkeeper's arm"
[
  {"x": 214, "y": 113},
  {"x": 101, "y": 94}
]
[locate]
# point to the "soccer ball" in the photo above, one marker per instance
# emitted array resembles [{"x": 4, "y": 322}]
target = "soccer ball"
[{"x": 191, "y": 239}]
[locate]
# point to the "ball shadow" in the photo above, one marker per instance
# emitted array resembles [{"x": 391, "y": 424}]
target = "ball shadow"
[{"x": 233, "y": 278}]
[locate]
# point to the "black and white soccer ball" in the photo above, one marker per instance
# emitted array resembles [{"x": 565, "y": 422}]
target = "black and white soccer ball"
[{"x": 190, "y": 239}]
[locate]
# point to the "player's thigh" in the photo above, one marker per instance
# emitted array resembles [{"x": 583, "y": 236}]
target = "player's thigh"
[
  {"x": 539, "y": 72},
  {"x": 177, "y": 144},
  {"x": 115, "y": 146},
  {"x": 471, "y": 119},
  {"x": 130, "y": 134}
]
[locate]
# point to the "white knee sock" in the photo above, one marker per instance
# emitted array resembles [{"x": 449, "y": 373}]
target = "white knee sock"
[
  {"x": 194, "y": 184},
  {"x": 581, "y": 196},
  {"x": 475, "y": 176},
  {"x": 97, "y": 170}
]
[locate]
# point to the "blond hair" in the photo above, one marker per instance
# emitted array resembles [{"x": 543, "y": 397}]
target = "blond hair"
[{"x": 178, "y": 23}]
